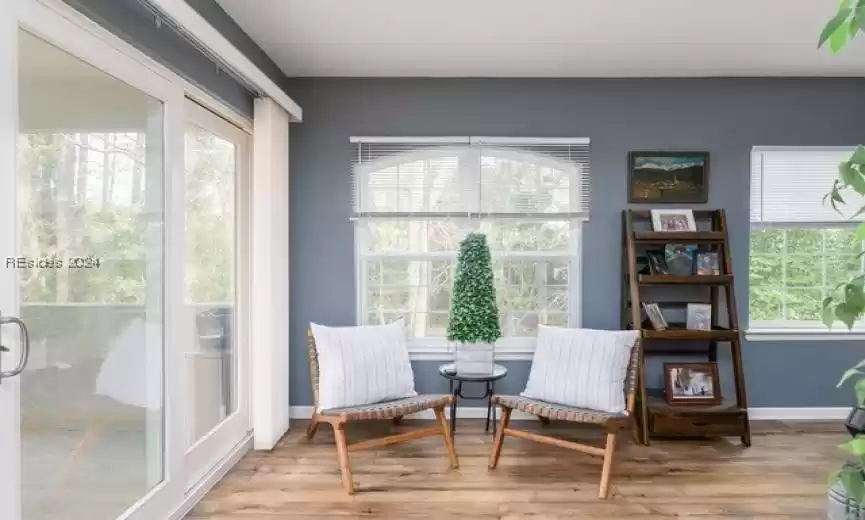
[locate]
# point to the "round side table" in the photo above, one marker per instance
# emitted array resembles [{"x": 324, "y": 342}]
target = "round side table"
[{"x": 449, "y": 372}]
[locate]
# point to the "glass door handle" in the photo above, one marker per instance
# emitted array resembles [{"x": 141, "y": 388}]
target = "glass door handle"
[{"x": 25, "y": 347}]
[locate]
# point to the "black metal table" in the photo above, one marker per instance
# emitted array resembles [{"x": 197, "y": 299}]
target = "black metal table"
[{"x": 449, "y": 372}]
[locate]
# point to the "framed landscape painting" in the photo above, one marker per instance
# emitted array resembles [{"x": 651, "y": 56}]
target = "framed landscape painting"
[{"x": 674, "y": 177}]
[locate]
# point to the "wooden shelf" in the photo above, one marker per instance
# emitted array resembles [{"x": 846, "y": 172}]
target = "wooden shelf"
[
  {"x": 657, "y": 405},
  {"x": 681, "y": 333},
  {"x": 679, "y": 237},
  {"x": 654, "y": 417},
  {"x": 660, "y": 279}
]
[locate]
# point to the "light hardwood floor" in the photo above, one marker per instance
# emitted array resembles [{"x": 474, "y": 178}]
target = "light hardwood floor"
[{"x": 783, "y": 475}]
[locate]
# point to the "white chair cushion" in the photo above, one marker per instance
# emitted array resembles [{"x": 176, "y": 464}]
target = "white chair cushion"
[
  {"x": 582, "y": 368},
  {"x": 362, "y": 365}
]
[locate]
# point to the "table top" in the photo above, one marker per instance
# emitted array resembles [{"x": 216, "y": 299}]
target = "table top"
[{"x": 449, "y": 371}]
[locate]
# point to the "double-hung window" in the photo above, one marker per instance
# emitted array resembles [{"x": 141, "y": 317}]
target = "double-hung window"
[
  {"x": 416, "y": 198},
  {"x": 800, "y": 247}
]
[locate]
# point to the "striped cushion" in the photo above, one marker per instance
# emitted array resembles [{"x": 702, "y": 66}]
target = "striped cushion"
[
  {"x": 391, "y": 409},
  {"x": 581, "y": 368},
  {"x": 558, "y": 412},
  {"x": 362, "y": 365}
]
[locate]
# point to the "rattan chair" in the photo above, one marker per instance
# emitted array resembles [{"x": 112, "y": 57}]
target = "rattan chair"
[
  {"x": 394, "y": 410},
  {"x": 545, "y": 411}
]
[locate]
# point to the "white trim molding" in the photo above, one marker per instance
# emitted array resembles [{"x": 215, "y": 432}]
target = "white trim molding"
[
  {"x": 197, "y": 28},
  {"x": 755, "y": 414},
  {"x": 792, "y": 334}
]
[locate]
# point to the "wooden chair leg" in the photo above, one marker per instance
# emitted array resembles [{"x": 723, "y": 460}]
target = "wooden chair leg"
[
  {"x": 449, "y": 439},
  {"x": 344, "y": 462},
  {"x": 500, "y": 437},
  {"x": 396, "y": 420},
  {"x": 311, "y": 428},
  {"x": 609, "y": 450}
]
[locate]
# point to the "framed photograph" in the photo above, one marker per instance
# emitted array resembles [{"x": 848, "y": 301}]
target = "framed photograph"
[
  {"x": 680, "y": 259},
  {"x": 692, "y": 384},
  {"x": 668, "y": 177},
  {"x": 656, "y": 317},
  {"x": 708, "y": 263},
  {"x": 673, "y": 220},
  {"x": 699, "y": 316},
  {"x": 657, "y": 263}
]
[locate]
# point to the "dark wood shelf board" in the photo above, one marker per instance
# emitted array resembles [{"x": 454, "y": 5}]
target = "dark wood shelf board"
[
  {"x": 669, "y": 279},
  {"x": 700, "y": 214},
  {"x": 657, "y": 405},
  {"x": 676, "y": 333},
  {"x": 678, "y": 237}
]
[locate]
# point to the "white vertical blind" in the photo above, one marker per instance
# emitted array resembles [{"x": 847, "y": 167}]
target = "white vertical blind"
[
  {"x": 463, "y": 176},
  {"x": 788, "y": 186}
]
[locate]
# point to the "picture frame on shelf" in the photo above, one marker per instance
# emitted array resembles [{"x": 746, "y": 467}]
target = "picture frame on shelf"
[
  {"x": 673, "y": 220},
  {"x": 699, "y": 316},
  {"x": 657, "y": 262},
  {"x": 656, "y": 317},
  {"x": 680, "y": 259},
  {"x": 691, "y": 384},
  {"x": 668, "y": 177},
  {"x": 708, "y": 263}
]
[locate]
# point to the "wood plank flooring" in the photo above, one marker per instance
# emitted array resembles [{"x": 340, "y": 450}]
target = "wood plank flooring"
[{"x": 783, "y": 475}]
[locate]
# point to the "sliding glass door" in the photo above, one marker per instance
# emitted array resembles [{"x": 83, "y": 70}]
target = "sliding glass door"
[{"x": 85, "y": 305}]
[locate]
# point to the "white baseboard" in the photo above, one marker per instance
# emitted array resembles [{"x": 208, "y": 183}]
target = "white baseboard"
[
  {"x": 204, "y": 485},
  {"x": 756, "y": 414}
]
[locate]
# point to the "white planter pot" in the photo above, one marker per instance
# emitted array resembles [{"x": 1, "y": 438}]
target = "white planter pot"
[{"x": 474, "y": 358}]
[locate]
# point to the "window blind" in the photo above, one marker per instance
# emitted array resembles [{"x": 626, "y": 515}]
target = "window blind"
[
  {"x": 788, "y": 186},
  {"x": 444, "y": 177}
]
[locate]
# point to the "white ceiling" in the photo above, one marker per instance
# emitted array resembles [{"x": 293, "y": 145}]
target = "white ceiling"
[{"x": 546, "y": 38}]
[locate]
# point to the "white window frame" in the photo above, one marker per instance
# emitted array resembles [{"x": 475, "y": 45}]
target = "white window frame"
[
  {"x": 804, "y": 330},
  {"x": 439, "y": 348}
]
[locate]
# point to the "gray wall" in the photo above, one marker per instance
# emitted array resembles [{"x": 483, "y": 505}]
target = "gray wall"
[
  {"x": 724, "y": 116},
  {"x": 132, "y": 21}
]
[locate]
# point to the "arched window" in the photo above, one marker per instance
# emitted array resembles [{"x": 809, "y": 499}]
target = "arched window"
[{"x": 415, "y": 199}]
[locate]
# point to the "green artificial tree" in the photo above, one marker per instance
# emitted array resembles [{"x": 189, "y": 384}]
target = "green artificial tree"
[{"x": 474, "y": 316}]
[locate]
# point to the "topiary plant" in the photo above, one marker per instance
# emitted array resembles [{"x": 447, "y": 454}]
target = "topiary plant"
[{"x": 474, "y": 316}]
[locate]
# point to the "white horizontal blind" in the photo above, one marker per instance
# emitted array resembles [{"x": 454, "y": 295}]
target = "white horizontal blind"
[
  {"x": 788, "y": 186},
  {"x": 450, "y": 177}
]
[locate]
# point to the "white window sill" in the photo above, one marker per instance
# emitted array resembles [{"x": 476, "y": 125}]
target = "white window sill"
[
  {"x": 792, "y": 334},
  {"x": 437, "y": 349}
]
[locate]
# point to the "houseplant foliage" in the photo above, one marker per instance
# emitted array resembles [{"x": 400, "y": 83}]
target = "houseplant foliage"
[
  {"x": 848, "y": 303},
  {"x": 474, "y": 316}
]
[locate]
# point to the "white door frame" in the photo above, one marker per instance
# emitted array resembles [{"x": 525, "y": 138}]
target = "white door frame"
[
  {"x": 220, "y": 440},
  {"x": 50, "y": 25},
  {"x": 63, "y": 26}
]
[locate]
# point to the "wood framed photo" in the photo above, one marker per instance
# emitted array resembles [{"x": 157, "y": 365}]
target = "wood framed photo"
[
  {"x": 673, "y": 220},
  {"x": 668, "y": 177},
  {"x": 680, "y": 259},
  {"x": 692, "y": 384},
  {"x": 708, "y": 263},
  {"x": 699, "y": 316},
  {"x": 657, "y": 262},
  {"x": 656, "y": 317}
]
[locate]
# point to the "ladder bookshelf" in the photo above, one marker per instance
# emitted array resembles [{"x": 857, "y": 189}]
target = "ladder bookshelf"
[{"x": 654, "y": 416}]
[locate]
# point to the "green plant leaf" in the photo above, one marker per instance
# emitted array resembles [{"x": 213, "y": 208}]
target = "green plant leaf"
[
  {"x": 828, "y": 314},
  {"x": 853, "y": 484},
  {"x": 856, "y": 446},
  {"x": 840, "y": 37},
  {"x": 858, "y": 156},
  {"x": 859, "y": 388},
  {"x": 849, "y": 173},
  {"x": 850, "y": 372},
  {"x": 834, "y": 24},
  {"x": 846, "y": 314},
  {"x": 858, "y": 212}
]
